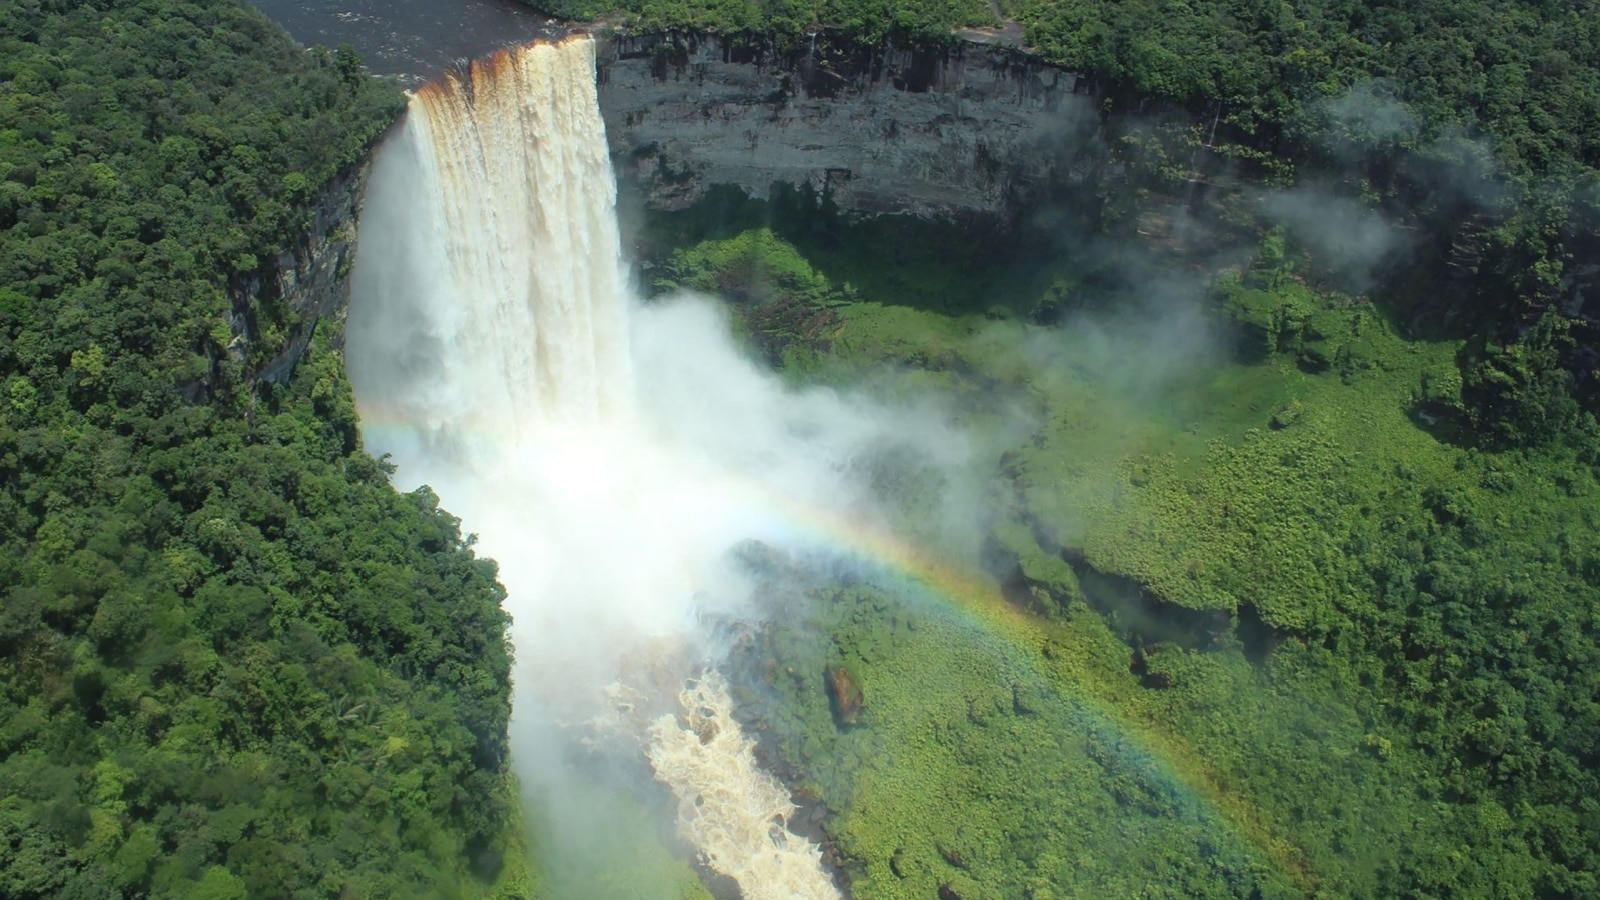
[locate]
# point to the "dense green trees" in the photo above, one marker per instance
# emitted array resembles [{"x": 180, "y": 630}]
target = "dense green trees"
[
  {"x": 233, "y": 661},
  {"x": 1521, "y": 73}
]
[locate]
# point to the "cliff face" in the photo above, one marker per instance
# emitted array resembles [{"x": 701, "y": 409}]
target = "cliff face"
[
  {"x": 976, "y": 129},
  {"x": 307, "y": 283},
  {"x": 934, "y": 132}
]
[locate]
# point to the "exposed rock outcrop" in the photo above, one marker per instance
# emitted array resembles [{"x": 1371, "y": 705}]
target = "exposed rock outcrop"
[
  {"x": 844, "y": 693},
  {"x": 934, "y": 131},
  {"x": 306, "y": 284}
]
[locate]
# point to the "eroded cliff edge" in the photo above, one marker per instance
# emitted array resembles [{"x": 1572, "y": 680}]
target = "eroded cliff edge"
[
  {"x": 275, "y": 314},
  {"x": 961, "y": 129},
  {"x": 936, "y": 131}
]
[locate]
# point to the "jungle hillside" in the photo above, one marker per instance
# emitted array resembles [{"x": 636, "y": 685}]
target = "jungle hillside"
[
  {"x": 234, "y": 662},
  {"x": 1303, "y": 568}
]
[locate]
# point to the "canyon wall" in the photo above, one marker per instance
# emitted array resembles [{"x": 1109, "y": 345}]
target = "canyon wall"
[
  {"x": 973, "y": 128},
  {"x": 938, "y": 132},
  {"x": 305, "y": 284}
]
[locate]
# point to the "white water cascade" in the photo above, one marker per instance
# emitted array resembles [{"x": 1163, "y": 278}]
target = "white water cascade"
[{"x": 608, "y": 454}]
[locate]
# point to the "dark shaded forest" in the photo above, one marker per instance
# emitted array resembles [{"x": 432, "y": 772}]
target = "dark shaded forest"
[{"x": 234, "y": 662}]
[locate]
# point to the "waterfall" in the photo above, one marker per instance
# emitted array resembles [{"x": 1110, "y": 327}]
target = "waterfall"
[
  {"x": 514, "y": 154},
  {"x": 489, "y": 346}
]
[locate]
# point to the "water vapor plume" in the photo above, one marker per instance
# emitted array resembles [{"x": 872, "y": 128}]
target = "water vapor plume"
[
  {"x": 1349, "y": 241},
  {"x": 1367, "y": 115},
  {"x": 611, "y": 456}
]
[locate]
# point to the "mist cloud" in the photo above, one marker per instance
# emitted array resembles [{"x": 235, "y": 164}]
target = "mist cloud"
[
  {"x": 1346, "y": 239},
  {"x": 1368, "y": 114},
  {"x": 612, "y": 456}
]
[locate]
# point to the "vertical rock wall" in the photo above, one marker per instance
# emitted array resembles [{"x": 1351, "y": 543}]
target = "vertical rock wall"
[
  {"x": 308, "y": 281},
  {"x": 937, "y": 132}
]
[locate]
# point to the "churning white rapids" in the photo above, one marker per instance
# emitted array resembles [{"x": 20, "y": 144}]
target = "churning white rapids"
[{"x": 608, "y": 453}]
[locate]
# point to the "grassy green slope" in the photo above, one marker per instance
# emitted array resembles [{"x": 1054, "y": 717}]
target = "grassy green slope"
[{"x": 1394, "y": 689}]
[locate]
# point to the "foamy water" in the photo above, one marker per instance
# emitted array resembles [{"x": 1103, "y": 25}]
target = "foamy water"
[
  {"x": 733, "y": 810},
  {"x": 497, "y": 354}
]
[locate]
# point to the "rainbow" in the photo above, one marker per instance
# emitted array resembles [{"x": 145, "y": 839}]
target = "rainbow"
[
  {"x": 976, "y": 599},
  {"x": 1106, "y": 701}
]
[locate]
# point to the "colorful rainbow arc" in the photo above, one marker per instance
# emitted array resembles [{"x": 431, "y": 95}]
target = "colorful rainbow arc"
[{"x": 977, "y": 600}]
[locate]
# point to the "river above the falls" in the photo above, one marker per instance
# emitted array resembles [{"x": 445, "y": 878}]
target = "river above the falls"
[{"x": 414, "y": 40}]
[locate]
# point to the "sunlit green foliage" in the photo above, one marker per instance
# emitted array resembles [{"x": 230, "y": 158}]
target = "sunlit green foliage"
[
  {"x": 1451, "y": 582},
  {"x": 233, "y": 661},
  {"x": 968, "y": 771},
  {"x": 1406, "y": 619},
  {"x": 783, "y": 303},
  {"x": 755, "y": 266}
]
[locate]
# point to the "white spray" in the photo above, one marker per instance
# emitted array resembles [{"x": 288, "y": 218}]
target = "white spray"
[{"x": 609, "y": 455}]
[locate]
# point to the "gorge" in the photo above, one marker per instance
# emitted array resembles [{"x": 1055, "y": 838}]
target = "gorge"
[
  {"x": 661, "y": 508},
  {"x": 684, "y": 116},
  {"x": 612, "y": 457},
  {"x": 626, "y": 463},
  {"x": 804, "y": 457}
]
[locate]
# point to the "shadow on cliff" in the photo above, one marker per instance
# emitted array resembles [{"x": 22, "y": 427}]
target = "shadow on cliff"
[{"x": 1039, "y": 269}]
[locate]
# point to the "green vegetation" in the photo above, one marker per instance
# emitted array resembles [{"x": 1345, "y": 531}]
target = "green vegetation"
[
  {"x": 1335, "y": 584},
  {"x": 783, "y": 303},
  {"x": 1318, "y": 617},
  {"x": 233, "y": 661},
  {"x": 1522, "y": 73},
  {"x": 795, "y": 246},
  {"x": 1475, "y": 123},
  {"x": 967, "y": 772}
]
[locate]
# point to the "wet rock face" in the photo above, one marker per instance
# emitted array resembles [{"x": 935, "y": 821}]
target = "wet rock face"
[
  {"x": 844, "y": 692},
  {"x": 937, "y": 132}
]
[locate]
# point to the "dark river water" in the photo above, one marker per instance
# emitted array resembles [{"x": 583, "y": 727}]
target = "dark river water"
[{"x": 414, "y": 39}]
